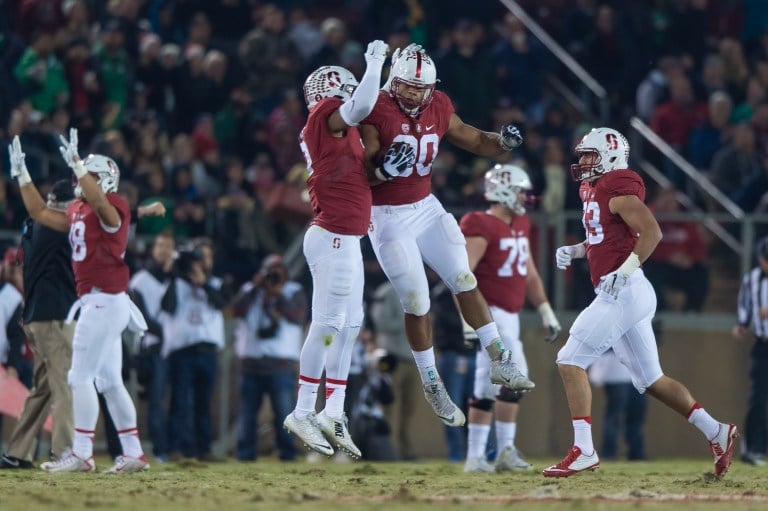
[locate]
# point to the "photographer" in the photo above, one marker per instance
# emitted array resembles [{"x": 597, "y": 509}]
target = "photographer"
[
  {"x": 271, "y": 310},
  {"x": 193, "y": 332}
]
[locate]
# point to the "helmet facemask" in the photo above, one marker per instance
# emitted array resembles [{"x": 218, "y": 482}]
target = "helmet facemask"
[{"x": 413, "y": 68}]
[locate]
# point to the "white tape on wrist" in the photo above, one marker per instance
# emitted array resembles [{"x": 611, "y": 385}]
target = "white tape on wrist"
[{"x": 631, "y": 264}]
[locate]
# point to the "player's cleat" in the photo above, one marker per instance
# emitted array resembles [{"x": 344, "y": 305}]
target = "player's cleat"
[
  {"x": 478, "y": 465},
  {"x": 441, "y": 403},
  {"x": 128, "y": 464},
  {"x": 337, "y": 433},
  {"x": 505, "y": 372},
  {"x": 69, "y": 462},
  {"x": 308, "y": 431},
  {"x": 509, "y": 459},
  {"x": 722, "y": 446},
  {"x": 573, "y": 463}
]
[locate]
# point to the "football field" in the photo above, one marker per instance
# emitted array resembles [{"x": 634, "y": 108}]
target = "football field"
[{"x": 270, "y": 485}]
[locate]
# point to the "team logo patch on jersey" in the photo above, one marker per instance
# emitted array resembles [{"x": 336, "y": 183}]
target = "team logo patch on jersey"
[
  {"x": 418, "y": 128},
  {"x": 406, "y": 128}
]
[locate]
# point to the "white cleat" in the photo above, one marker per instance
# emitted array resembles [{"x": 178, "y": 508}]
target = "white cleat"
[
  {"x": 573, "y": 463},
  {"x": 69, "y": 462},
  {"x": 441, "y": 403},
  {"x": 308, "y": 431},
  {"x": 128, "y": 464},
  {"x": 478, "y": 465},
  {"x": 505, "y": 372},
  {"x": 509, "y": 460},
  {"x": 337, "y": 433}
]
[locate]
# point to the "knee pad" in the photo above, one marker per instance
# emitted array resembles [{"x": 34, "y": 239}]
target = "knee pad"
[
  {"x": 483, "y": 404},
  {"x": 105, "y": 385},
  {"x": 79, "y": 379},
  {"x": 394, "y": 259},
  {"x": 509, "y": 396},
  {"x": 415, "y": 303}
]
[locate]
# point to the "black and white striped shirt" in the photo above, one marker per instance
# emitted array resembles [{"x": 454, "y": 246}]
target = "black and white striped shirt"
[{"x": 753, "y": 295}]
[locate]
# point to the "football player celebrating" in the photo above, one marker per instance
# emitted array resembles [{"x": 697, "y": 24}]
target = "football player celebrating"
[
  {"x": 409, "y": 226},
  {"x": 621, "y": 232},
  {"x": 97, "y": 222},
  {"x": 499, "y": 255},
  {"x": 341, "y": 200}
]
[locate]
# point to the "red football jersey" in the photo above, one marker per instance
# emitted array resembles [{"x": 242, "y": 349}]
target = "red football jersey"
[
  {"x": 97, "y": 255},
  {"x": 503, "y": 269},
  {"x": 338, "y": 186},
  {"x": 423, "y": 133},
  {"x": 609, "y": 239}
]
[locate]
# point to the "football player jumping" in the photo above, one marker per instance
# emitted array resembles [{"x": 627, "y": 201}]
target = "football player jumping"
[
  {"x": 499, "y": 255},
  {"x": 621, "y": 232},
  {"x": 97, "y": 222},
  {"x": 409, "y": 226},
  {"x": 341, "y": 200}
]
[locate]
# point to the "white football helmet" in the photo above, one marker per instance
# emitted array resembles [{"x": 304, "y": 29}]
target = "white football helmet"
[
  {"x": 104, "y": 170},
  {"x": 611, "y": 148},
  {"x": 416, "y": 69},
  {"x": 329, "y": 82},
  {"x": 504, "y": 183}
]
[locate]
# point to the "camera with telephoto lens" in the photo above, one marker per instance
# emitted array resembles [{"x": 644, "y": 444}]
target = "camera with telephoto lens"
[{"x": 273, "y": 277}]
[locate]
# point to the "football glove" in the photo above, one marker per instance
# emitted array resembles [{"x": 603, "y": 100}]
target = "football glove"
[
  {"x": 470, "y": 336},
  {"x": 550, "y": 322},
  {"x": 510, "y": 137},
  {"x": 376, "y": 52},
  {"x": 613, "y": 282},
  {"x": 18, "y": 163},
  {"x": 564, "y": 255},
  {"x": 399, "y": 158},
  {"x": 69, "y": 152}
]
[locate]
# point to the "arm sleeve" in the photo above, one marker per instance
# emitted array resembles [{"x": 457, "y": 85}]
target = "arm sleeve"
[
  {"x": 168, "y": 303},
  {"x": 364, "y": 98}
]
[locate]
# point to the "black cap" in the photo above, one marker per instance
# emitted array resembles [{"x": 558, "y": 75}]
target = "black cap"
[
  {"x": 62, "y": 191},
  {"x": 761, "y": 249}
]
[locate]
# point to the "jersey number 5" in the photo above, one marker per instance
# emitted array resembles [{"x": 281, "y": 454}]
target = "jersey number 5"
[{"x": 517, "y": 258}]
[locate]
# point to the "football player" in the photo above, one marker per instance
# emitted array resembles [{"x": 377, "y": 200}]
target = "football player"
[
  {"x": 97, "y": 222},
  {"x": 621, "y": 232},
  {"x": 499, "y": 255},
  {"x": 409, "y": 226},
  {"x": 341, "y": 200}
]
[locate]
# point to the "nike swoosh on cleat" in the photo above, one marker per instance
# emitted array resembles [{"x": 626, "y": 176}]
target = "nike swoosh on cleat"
[{"x": 449, "y": 420}]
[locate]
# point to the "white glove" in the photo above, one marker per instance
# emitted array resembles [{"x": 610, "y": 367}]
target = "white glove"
[
  {"x": 399, "y": 158},
  {"x": 510, "y": 137},
  {"x": 614, "y": 282},
  {"x": 69, "y": 152},
  {"x": 564, "y": 255},
  {"x": 470, "y": 336},
  {"x": 18, "y": 164},
  {"x": 550, "y": 322},
  {"x": 376, "y": 52}
]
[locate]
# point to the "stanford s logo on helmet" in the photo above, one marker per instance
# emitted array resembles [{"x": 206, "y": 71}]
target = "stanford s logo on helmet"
[
  {"x": 105, "y": 171},
  {"x": 503, "y": 184},
  {"x": 413, "y": 68},
  {"x": 611, "y": 148},
  {"x": 329, "y": 82}
]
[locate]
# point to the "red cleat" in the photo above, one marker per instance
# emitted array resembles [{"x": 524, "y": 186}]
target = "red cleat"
[
  {"x": 573, "y": 463},
  {"x": 721, "y": 448}
]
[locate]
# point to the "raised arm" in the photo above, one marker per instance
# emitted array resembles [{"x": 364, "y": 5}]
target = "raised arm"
[
  {"x": 30, "y": 195},
  {"x": 482, "y": 143}
]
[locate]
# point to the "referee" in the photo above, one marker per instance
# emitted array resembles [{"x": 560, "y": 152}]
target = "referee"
[
  {"x": 753, "y": 312},
  {"x": 49, "y": 290}
]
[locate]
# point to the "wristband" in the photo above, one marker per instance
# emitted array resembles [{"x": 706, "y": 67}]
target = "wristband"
[{"x": 631, "y": 264}]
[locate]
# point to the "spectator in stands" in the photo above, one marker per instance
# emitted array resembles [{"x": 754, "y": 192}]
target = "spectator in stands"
[
  {"x": 708, "y": 138},
  {"x": 41, "y": 74},
  {"x": 680, "y": 259},
  {"x": 738, "y": 163},
  {"x": 654, "y": 88},
  {"x": 115, "y": 73},
  {"x": 608, "y": 55},
  {"x": 285, "y": 121},
  {"x": 338, "y": 49},
  {"x": 756, "y": 96},
  {"x": 736, "y": 68}
]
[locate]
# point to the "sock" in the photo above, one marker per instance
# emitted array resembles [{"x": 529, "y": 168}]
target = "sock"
[
  {"x": 335, "y": 392},
  {"x": 505, "y": 434},
  {"x": 489, "y": 337},
  {"x": 85, "y": 404},
  {"x": 311, "y": 365},
  {"x": 123, "y": 413},
  {"x": 305, "y": 403},
  {"x": 337, "y": 371},
  {"x": 699, "y": 417},
  {"x": 582, "y": 434},
  {"x": 477, "y": 439},
  {"x": 82, "y": 443},
  {"x": 425, "y": 361}
]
